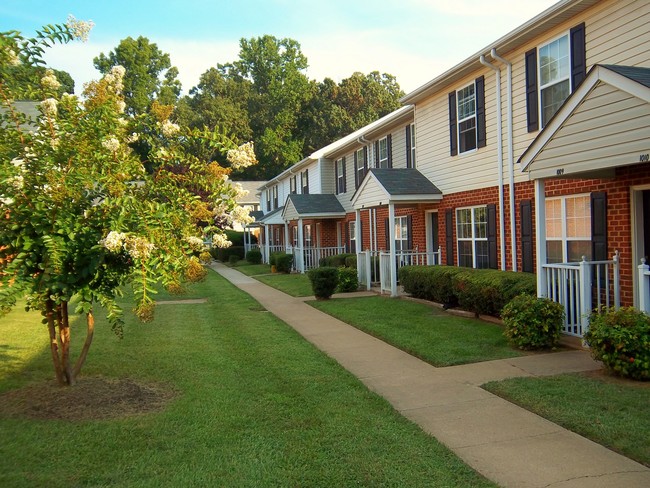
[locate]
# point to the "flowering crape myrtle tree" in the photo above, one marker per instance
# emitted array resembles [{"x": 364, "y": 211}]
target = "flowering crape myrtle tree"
[{"x": 80, "y": 216}]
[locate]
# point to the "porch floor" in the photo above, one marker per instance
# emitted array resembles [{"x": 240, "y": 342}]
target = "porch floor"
[{"x": 504, "y": 442}]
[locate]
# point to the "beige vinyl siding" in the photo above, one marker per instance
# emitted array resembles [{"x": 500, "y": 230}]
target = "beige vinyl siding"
[
  {"x": 398, "y": 143},
  {"x": 326, "y": 183},
  {"x": 290, "y": 213},
  {"x": 609, "y": 129},
  {"x": 372, "y": 195}
]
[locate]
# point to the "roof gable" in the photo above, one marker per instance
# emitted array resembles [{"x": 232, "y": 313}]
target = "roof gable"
[
  {"x": 312, "y": 206},
  {"x": 382, "y": 186}
]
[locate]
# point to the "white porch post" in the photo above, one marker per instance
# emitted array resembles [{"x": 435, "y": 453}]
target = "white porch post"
[
  {"x": 391, "y": 243},
  {"x": 585, "y": 295},
  {"x": 300, "y": 265},
  {"x": 286, "y": 236},
  {"x": 267, "y": 244},
  {"x": 357, "y": 232},
  {"x": 540, "y": 236},
  {"x": 644, "y": 292}
]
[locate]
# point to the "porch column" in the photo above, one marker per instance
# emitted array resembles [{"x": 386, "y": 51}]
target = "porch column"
[
  {"x": 300, "y": 265},
  {"x": 540, "y": 236},
  {"x": 357, "y": 232},
  {"x": 286, "y": 236},
  {"x": 267, "y": 244},
  {"x": 391, "y": 243}
]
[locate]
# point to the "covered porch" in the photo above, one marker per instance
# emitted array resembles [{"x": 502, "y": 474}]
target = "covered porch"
[
  {"x": 399, "y": 191},
  {"x": 592, "y": 196}
]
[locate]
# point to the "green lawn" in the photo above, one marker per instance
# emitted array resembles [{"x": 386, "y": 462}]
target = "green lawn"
[
  {"x": 296, "y": 285},
  {"x": 431, "y": 334},
  {"x": 252, "y": 269},
  {"x": 256, "y": 405},
  {"x": 615, "y": 414}
]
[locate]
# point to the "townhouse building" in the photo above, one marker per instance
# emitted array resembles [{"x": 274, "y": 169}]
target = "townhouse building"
[{"x": 531, "y": 156}]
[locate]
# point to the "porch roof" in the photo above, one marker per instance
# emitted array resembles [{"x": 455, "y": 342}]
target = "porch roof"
[
  {"x": 257, "y": 215},
  {"x": 274, "y": 217},
  {"x": 382, "y": 186},
  {"x": 316, "y": 206},
  {"x": 604, "y": 124}
]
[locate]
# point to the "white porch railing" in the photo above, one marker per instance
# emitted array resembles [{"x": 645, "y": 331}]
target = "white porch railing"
[
  {"x": 251, "y": 247},
  {"x": 404, "y": 258},
  {"x": 581, "y": 287},
  {"x": 311, "y": 256},
  {"x": 271, "y": 249},
  {"x": 644, "y": 287}
]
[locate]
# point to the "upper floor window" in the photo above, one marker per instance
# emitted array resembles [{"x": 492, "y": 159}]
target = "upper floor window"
[
  {"x": 360, "y": 165},
  {"x": 472, "y": 237},
  {"x": 293, "y": 185},
  {"x": 339, "y": 170},
  {"x": 467, "y": 117},
  {"x": 275, "y": 197},
  {"x": 268, "y": 199},
  {"x": 382, "y": 159},
  {"x": 553, "y": 71},
  {"x": 410, "y": 146},
  {"x": 304, "y": 182}
]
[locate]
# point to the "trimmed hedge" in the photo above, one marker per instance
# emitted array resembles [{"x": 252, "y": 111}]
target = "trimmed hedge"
[
  {"x": 323, "y": 281},
  {"x": 482, "y": 291},
  {"x": 254, "y": 256},
  {"x": 335, "y": 261},
  {"x": 533, "y": 323},
  {"x": 223, "y": 253},
  {"x": 283, "y": 262},
  {"x": 348, "y": 280}
]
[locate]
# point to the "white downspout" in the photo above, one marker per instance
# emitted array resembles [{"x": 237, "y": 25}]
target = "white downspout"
[
  {"x": 511, "y": 160},
  {"x": 502, "y": 225}
]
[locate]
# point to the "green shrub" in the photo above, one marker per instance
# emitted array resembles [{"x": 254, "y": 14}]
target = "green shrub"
[
  {"x": 532, "y": 323},
  {"x": 335, "y": 261},
  {"x": 233, "y": 259},
  {"x": 621, "y": 340},
  {"x": 223, "y": 253},
  {"x": 348, "y": 280},
  {"x": 324, "y": 281},
  {"x": 351, "y": 261},
  {"x": 283, "y": 262},
  {"x": 254, "y": 256},
  {"x": 273, "y": 256},
  {"x": 430, "y": 283},
  {"x": 486, "y": 291}
]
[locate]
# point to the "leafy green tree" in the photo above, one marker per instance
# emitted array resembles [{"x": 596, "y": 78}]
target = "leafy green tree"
[
  {"x": 81, "y": 217},
  {"x": 145, "y": 64}
]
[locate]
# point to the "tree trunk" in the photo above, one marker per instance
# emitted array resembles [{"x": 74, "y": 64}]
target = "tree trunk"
[
  {"x": 64, "y": 339},
  {"x": 90, "y": 330},
  {"x": 54, "y": 346}
]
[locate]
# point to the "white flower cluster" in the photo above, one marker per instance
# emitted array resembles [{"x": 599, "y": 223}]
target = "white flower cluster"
[
  {"x": 121, "y": 106},
  {"x": 137, "y": 247},
  {"x": 115, "y": 78},
  {"x": 49, "y": 107},
  {"x": 132, "y": 138},
  {"x": 220, "y": 240},
  {"x": 196, "y": 243},
  {"x": 243, "y": 156},
  {"x": 239, "y": 191},
  {"x": 79, "y": 28},
  {"x": 111, "y": 143},
  {"x": 169, "y": 129},
  {"x": 12, "y": 57},
  {"x": 242, "y": 215},
  {"x": 49, "y": 81}
]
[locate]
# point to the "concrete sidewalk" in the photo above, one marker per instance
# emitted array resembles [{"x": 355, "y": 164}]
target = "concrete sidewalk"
[{"x": 507, "y": 444}]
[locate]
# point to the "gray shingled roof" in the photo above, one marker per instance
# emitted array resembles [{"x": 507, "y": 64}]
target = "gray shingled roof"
[
  {"x": 316, "y": 204},
  {"x": 270, "y": 214},
  {"x": 404, "y": 181},
  {"x": 634, "y": 73}
]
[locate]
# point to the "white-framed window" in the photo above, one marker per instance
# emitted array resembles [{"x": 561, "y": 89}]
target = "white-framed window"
[
  {"x": 293, "y": 185},
  {"x": 382, "y": 160},
  {"x": 466, "y": 110},
  {"x": 340, "y": 176},
  {"x": 360, "y": 162},
  {"x": 268, "y": 200},
  {"x": 294, "y": 231},
  {"x": 568, "y": 228},
  {"x": 277, "y": 236},
  {"x": 471, "y": 235},
  {"x": 401, "y": 233},
  {"x": 304, "y": 182},
  {"x": 275, "y": 197},
  {"x": 352, "y": 232},
  {"x": 412, "y": 146},
  {"x": 554, "y": 73},
  {"x": 307, "y": 235}
]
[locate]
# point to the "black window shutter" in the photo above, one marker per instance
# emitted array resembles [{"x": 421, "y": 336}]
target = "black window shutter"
[
  {"x": 376, "y": 154},
  {"x": 336, "y": 177},
  {"x": 492, "y": 235},
  {"x": 578, "y": 56},
  {"x": 532, "y": 112},
  {"x": 481, "y": 136},
  {"x": 387, "y": 227},
  {"x": 345, "y": 179},
  {"x": 365, "y": 161},
  {"x": 449, "y": 236},
  {"x": 356, "y": 171},
  {"x": 348, "y": 243},
  {"x": 409, "y": 232},
  {"x": 526, "y": 215},
  {"x": 453, "y": 137},
  {"x": 389, "y": 149},
  {"x": 409, "y": 163},
  {"x": 599, "y": 226}
]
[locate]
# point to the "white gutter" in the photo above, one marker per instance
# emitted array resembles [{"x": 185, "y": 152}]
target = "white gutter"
[
  {"x": 511, "y": 161},
  {"x": 502, "y": 225}
]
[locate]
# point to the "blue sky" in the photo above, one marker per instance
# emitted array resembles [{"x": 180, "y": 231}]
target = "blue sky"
[{"x": 415, "y": 40}]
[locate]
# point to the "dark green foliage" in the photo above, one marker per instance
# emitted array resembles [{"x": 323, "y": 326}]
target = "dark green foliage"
[
  {"x": 283, "y": 262},
  {"x": 324, "y": 281},
  {"x": 223, "y": 253},
  {"x": 430, "y": 283},
  {"x": 335, "y": 261},
  {"x": 233, "y": 259},
  {"x": 532, "y": 323},
  {"x": 348, "y": 280},
  {"x": 351, "y": 261},
  {"x": 486, "y": 291},
  {"x": 621, "y": 340},
  {"x": 254, "y": 256}
]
